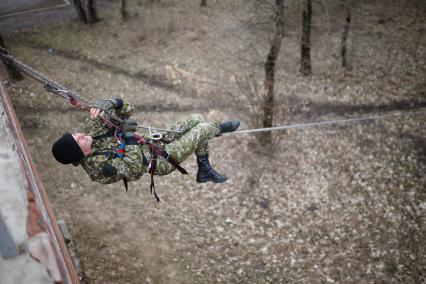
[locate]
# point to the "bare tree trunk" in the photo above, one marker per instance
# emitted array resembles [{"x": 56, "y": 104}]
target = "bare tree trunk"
[
  {"x": 346, "y": 28},
  {"x": 271, "y": 60},
  {"x": 80, "y": 11},
  {"x": 203, "y": 3},
  {"x": 13, "y": 74},
  {"x": 305, "y": 58},
  {"x": 124, "y": 12},
  {"x": 92, "y": 13},
  {"x": 2, "y": 42}
]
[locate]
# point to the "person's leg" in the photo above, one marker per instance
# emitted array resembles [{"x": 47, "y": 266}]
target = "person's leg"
[
  {"x": 184, "y": 126},
  {"x": 194, "y": 137},
  {"x": 194, "y": 140}
]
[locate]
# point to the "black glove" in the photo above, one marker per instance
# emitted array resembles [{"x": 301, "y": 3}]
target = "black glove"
[
  {"x": 108, "y": 104},
  {"x": 129, "y": 128}
]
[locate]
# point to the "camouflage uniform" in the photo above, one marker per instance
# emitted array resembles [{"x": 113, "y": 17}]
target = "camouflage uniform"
[{"x": 102, "y": 166}]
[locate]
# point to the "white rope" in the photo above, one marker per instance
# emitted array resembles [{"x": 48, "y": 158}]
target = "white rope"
[{"x": 330, "y": 122}]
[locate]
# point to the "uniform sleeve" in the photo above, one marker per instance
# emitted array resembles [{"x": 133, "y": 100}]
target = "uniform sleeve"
[
  {"x": 95, "y": 127},
  {"x": 131, "y": 165},
  {"x": 125, "y": 111}
]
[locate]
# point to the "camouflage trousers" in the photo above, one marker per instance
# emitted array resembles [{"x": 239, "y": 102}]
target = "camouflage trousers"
[{"x": 194, "y": 136}]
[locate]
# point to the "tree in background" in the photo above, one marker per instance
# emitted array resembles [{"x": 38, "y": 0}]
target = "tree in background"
[
  {"x": 203, "y": 3},
  {"x": 271, "y": 59},
  {"x": 92, "y": 11},
  {"x": 80, "y": 11},
  {"x": 305, "y": 58},
  {"x": 343, "y": 44},
  {"x": 91, "y": 16},
  {"x": 2, "y": 42},
  {"x": 124, "y": 12},
  {"x": 14, "y": 74}
]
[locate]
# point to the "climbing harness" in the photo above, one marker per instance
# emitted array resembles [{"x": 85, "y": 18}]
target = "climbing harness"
[
  {"x": 155, "y": 145},
  {"x": 156, "y": 148}
]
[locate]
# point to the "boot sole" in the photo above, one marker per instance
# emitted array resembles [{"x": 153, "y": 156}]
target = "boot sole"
[{"x": 204, "y": 181}]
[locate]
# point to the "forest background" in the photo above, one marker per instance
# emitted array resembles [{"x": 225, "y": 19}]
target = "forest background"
[{"x": 334, "y": 204}]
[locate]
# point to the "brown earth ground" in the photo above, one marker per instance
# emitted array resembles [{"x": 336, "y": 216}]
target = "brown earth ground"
[{"x": 341, "y": 204}]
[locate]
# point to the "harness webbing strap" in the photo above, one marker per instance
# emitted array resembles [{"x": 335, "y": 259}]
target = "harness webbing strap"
[
  {"x": 151, "y": 169},
  {"x": 157, "y": 151},
  {"x": 126, "y": 186},
  {"x": 162, "y": 153}
]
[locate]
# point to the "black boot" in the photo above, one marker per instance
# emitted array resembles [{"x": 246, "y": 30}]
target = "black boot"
[
  {"x": 206, "y": 172},
  {"x": 229, "y": 126}
]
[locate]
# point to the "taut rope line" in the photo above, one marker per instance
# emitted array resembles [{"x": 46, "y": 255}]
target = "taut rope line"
[{"x": 329, "y": 122}]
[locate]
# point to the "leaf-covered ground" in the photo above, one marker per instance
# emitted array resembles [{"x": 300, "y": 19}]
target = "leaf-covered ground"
[{"x": 332, "y": 204}]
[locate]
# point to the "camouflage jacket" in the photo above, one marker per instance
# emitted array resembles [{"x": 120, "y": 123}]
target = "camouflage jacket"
[{"x": 102, "y": 165}]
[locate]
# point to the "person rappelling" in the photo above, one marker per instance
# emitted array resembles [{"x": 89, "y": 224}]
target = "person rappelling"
[
  {"x": 110, "y": 154},
  {"x": 109, "y": 149}
]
